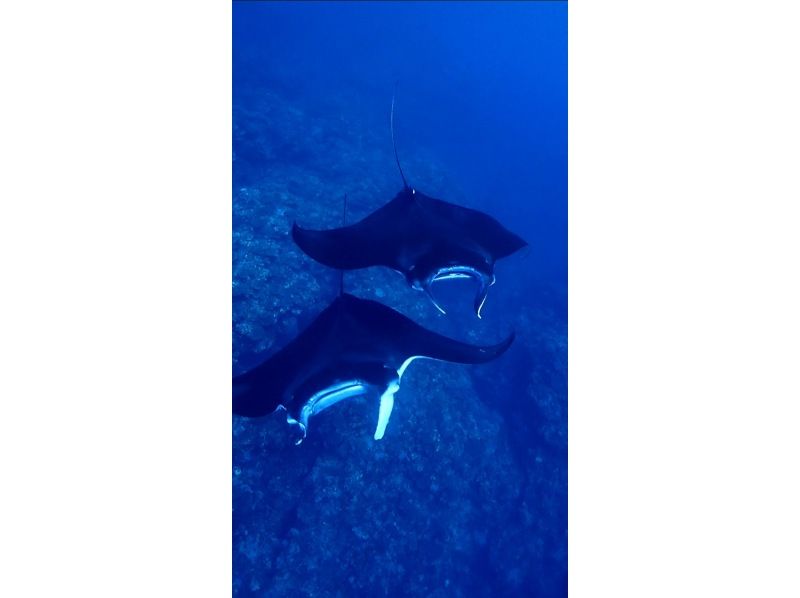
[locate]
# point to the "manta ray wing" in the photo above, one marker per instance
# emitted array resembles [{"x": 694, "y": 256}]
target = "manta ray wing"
[
  {"x": 405, "y": 338},
  {"x": 482, "y": 229},
  {"x": 262, "y": 389},
  {"x": 379, "y": 239}
]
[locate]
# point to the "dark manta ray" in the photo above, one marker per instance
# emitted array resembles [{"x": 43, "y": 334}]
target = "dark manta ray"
[
  {"x": 354, "y": 347},
  {"x": 423, "y": 238}
]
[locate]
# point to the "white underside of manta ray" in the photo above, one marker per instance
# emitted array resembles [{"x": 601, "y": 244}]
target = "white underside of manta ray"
[{"x": 349, "y": 389}]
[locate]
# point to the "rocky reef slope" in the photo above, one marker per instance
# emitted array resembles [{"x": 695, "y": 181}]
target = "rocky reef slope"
[{"x": 466, "y": 494}]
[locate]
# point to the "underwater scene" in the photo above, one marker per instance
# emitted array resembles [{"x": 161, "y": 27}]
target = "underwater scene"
[{"x": 399, "y": 298}]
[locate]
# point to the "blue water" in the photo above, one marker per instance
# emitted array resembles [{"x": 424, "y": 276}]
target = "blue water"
[{"x": 466, "y": 494}]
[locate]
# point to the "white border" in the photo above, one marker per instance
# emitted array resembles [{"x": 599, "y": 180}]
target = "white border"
[
  {"x": 115, "y": 245},
  {"x": 684, "y": 299}
]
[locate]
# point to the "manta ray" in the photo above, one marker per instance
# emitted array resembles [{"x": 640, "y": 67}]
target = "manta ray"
[
  {"x": 354, "y": 347},
  {"x": 423, "y": 238}
]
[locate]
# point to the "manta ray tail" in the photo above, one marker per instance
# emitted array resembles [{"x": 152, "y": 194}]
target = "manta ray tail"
[{"x": 394, "y": 145}]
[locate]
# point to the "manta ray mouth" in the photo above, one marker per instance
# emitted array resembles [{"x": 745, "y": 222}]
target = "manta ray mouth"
[
  {"x": 460, "y": 272},
  {"x": 325, "y": 398}
]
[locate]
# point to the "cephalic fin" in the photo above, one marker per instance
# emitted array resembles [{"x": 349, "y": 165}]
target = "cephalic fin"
[
  {"x": 483, "y": 291},
  {"x": 293, "y": 422},
  {"x": 429, "y": 293},
  {"x": 385, "y": 409}
]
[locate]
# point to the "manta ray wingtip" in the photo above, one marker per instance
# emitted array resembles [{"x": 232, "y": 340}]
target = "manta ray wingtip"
[
  {"x": 295, "y": 230},
  {"x": 503, "y": 346},
  {"x": 303, "y": 238},
  {"x": 509, "y": 341},
  {"x": 436, "y": 304}
]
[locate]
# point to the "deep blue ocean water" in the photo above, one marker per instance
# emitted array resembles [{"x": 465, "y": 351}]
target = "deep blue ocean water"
[{"x": 466, "y": 495}]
